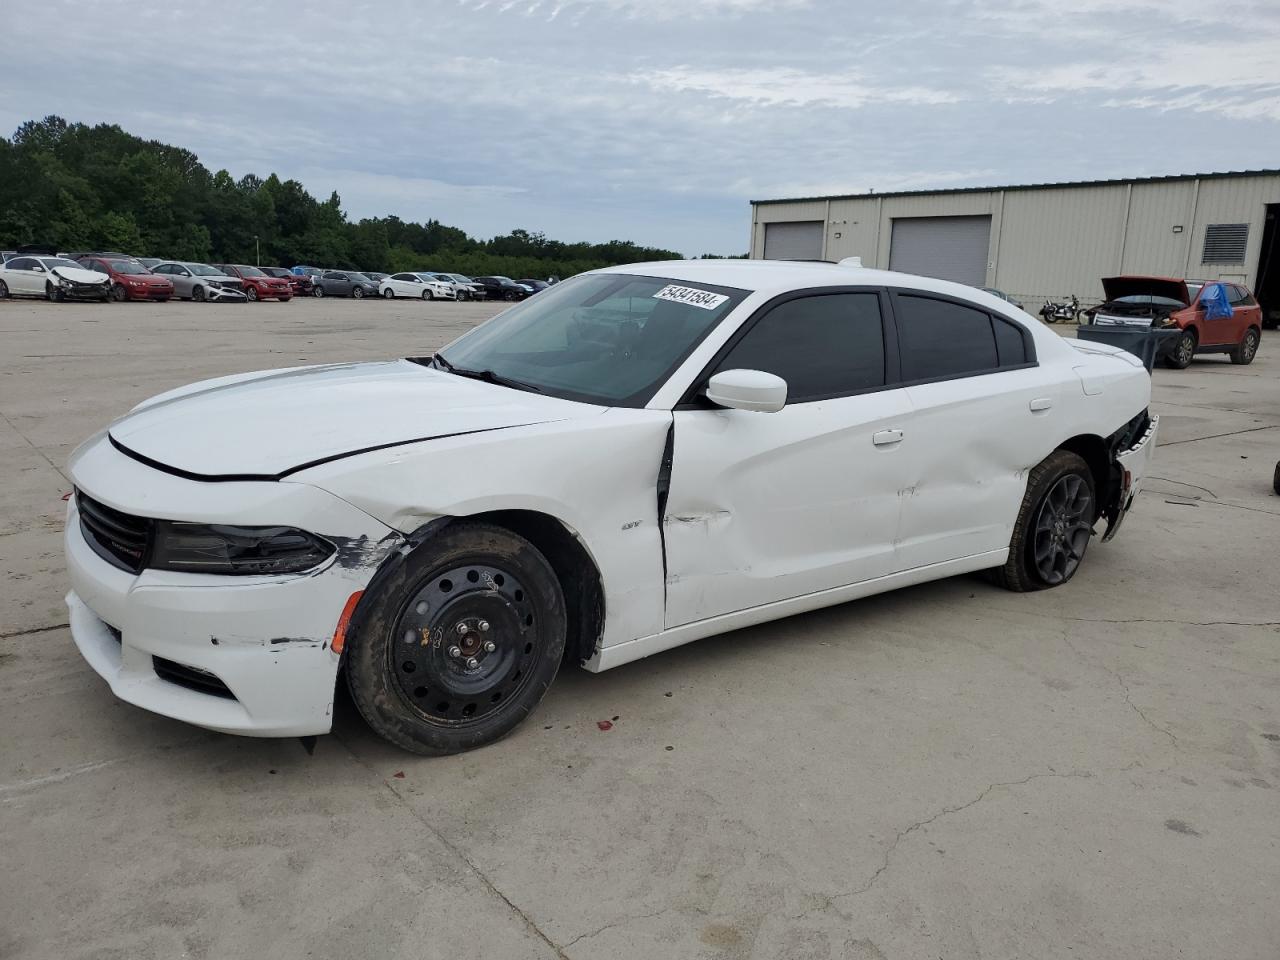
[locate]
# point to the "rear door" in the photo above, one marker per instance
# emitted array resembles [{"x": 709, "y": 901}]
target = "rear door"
[
  {"x": 768, "y": 506},
  {"x": 1245, "y": 310},
  {"x": 337, "y": 284},
  {"x": 980, "y": 408},
  {"x": 21, "y": 276}
]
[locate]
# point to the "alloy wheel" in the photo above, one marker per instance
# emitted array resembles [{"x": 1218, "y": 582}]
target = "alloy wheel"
[{"x": 1062, "y": 531}]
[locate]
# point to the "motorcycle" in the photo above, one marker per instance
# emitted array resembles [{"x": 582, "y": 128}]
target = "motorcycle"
[{"x": 1067, "y": 311}]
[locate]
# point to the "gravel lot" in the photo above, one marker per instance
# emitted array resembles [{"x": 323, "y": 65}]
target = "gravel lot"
[{"x": 947, "y": 771}]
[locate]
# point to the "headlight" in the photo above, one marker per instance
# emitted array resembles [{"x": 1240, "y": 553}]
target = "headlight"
[{"x": 242, "y": 551}]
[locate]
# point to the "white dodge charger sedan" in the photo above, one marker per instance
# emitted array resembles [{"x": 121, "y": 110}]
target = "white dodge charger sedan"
[{"x": 633, "y": 459}]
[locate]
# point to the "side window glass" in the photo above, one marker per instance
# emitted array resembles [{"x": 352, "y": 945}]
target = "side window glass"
[
  {"x": 938, "y": 339},
  {"x": 1011, "y": 348},
  {"x": 20, "y": 263},
  {"x": 823, "y": 346}
]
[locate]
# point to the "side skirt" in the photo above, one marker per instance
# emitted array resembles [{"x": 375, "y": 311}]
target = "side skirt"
[{"x": 621, "y": 653}]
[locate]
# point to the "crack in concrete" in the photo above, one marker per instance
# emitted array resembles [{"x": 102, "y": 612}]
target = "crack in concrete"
[
  {"x": 40, "y": 453},
  {"x": 616, "y": 923},
  {"x": 33, "y": 631},
  {"x": 1216, "y": 436},
  {"x": 1128, "y": 696},
  {"x": 1182, "y": 483},
  {"x": 1122, "y": 620},
  {"x": 488, "y": 884}
]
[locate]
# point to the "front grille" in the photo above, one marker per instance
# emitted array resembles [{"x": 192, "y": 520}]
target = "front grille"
[
  {"x": 121, "y": 539},
  {"x": 201, "y": 681}
]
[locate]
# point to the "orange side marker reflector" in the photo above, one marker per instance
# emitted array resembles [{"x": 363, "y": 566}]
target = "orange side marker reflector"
[{"x": 340, "y": 634}]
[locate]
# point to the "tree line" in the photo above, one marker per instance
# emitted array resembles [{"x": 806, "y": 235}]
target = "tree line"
[{"x": 80, "y": 187}]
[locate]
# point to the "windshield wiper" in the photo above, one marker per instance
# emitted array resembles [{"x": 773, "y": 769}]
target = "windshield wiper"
[{"x": 488, "y": 376}]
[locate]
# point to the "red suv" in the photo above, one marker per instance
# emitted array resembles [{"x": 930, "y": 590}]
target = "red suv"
[
  {"x": 256, "y": 284},
  {"x": 130, "y": 280},
  {"x": 1165, "y": 303}
]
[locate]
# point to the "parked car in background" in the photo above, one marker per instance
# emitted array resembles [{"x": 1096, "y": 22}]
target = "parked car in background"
[
  {"x": 374, "y": 276},
  {"x": 130, "y": 280},
  {"x": 315, "y": 273},
  {"x": 257, "y": 284},
  {"x": 421, "y": 286},
  {"x": 344, "y": 283},
  {"x": 300, "y": 282},
  {"x": 535, "y": 286},
  {"x": 7, "y": 255},
  {"x": 150, "y": 262},
  {"x": 750, "y": 425},
  {"x": 54, "y": 278},
  {"x": 200, "y": 281},
  {"x": 502, "y": 288},
  {"x": 1004, "y": 296},
  {"x": 1169, "y": 302},
  {"x": 467, "y": 289}
]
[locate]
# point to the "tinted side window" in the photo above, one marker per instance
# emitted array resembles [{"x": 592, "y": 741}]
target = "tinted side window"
[
  {"x": 1010, "y": 346},
  {"x": 938, "y": 338},
  {"x": 823, "y": 346},
  {"x": 1238, "y": 296},
  {"x": 21, "y": 263}
]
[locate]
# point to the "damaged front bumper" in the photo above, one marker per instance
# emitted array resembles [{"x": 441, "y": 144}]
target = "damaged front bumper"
[
  {"x": 247, "y": 655},
  {"x": 1132, "y": 458}
]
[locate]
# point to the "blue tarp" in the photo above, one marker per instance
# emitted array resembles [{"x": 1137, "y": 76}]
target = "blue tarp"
[{"x": 1215, "y": 302}]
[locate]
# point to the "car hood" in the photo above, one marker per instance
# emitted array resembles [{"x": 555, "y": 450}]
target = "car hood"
[
  {"x": 1116, "y": 287},
  {"x": 265, "y": 425},
  {"x": 80, "y": 275}
]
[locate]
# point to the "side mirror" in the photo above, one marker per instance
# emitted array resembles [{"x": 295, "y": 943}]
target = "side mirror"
[
  {"x": 38, "y": 269},
  {"x": 748, "y": 390}
]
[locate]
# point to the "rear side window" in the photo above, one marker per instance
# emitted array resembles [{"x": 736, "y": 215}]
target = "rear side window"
[
  {"x": 1239, "y": 296},
  {"x": 940, "y": 339},
  {"x": 1011, "y": 348},
  {"x": 823, "y": 346}
]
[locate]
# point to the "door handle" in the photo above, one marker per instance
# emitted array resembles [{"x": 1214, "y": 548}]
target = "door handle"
[
  {"x": 886, "y": 438},
  {"x": 1040, "y": 404}
]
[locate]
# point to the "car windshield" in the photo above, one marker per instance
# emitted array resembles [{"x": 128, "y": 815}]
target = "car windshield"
[
  {"x": 427, "y": 276},
  {"x": 356, "y": 276},
  {"x": 128, "y": 267},
  {"x": 59, "y": 262},
  {"x": 1193, "y": 290},
  {"x": 1145, "y": 300},
  {"x": 459, "y": 277},
  {"x": 610, "y": 339},
  {"x": 202, "y": 270},
  {"x": 250, "y": 272}
]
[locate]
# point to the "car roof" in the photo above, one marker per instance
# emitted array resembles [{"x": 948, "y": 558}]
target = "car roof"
[{"x": 780, "y": 276}]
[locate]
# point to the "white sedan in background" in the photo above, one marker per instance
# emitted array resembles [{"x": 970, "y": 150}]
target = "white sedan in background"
[
  {"x": 54, "y": 278},
  {"x": 421, "y": 286},
  {"x": 633, "y": 459}
]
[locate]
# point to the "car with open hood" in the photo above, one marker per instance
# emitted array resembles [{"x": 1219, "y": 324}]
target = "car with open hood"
[
  {"x": 54, "y": 278},
  {"x": 258, "y": 284},
  {"x": 631, "y": 460},
  {"x": 130, "y": 279},
  {"x": 1213, "y": 316}
]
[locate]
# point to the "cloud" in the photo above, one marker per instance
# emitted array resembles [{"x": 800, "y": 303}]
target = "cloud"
[{"x": 781, "y": 86}]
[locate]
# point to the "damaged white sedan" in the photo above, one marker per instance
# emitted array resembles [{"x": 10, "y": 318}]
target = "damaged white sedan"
[{"x": 633, "y": 459}]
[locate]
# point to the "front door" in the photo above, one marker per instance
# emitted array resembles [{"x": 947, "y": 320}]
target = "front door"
[{"x": 769, "y": 506}]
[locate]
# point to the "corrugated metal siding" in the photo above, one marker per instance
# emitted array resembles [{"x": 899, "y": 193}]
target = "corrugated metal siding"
[{"x": 1056, "y": 241}]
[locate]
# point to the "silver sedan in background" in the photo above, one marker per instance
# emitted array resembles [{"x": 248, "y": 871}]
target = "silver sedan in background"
[{"x": 199, "y": 281}]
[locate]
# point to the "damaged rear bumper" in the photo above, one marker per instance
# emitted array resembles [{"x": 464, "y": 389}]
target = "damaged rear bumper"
[{"x": 1128, "y": 471}]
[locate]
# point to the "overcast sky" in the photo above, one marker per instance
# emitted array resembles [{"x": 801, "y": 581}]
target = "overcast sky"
[{"x": 657, "y": 120}]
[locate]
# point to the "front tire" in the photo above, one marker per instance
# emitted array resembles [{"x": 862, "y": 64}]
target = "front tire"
[
  {"x": 459, "y": 643},
  {"x": 358, "y": 293},
  {"x": 119, "y": 294},
  {"x": 428, "y": 295},
  {"x": 197, "y": 294},
  {"x": 388, "y": 294},
  {"x": 1054, "y": 525},
  {"x": 1247, "y": 349},
  {"x": 251, "y": 294},
  {"x": 1185, "y": 348},
  {"x": 318, "y": 292}
]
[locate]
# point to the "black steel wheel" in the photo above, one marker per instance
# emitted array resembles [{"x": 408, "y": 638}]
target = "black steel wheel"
[
  {"x": 1247, "y": 349},
  {"x": 457, "y": 643},
  {"x": 1054, "y": 525},
  {"x": 1184, "y": 349}
]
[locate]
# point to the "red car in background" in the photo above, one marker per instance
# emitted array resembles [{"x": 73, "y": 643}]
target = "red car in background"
[
  {"x": 130, "y": 280},
  {"x": 302, "y": 283},
  {"x": 1167, "y": 302},
  {"x": 257, "y": 284}
]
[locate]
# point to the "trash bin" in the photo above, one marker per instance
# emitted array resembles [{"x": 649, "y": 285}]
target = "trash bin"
[{"x": 1143, "y": 342}]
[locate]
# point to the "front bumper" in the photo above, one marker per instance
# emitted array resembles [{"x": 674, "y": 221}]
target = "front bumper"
[
  {"x": 257, "y": 648},
  {"x": 148, "y": 292},
  {"x": 85, "y": 291}
]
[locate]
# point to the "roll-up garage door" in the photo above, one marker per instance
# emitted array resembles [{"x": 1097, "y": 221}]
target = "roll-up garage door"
[
  {"x": 949, "y": 248},
  {"x": 800, "y": 240}
]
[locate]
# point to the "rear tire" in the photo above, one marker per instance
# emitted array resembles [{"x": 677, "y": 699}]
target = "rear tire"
[
  {"x": 409, "y": 667},
  {"x": 1244, "y": 351},
  {"x": 318, "y": 292},
  {"x": 1184, "y": 349},
  {"x": 1054, "y": 525}
]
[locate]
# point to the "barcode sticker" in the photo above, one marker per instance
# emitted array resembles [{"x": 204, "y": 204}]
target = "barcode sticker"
[{"x": 691, "y": 296}]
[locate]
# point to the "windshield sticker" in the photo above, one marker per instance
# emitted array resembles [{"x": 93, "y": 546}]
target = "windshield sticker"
[{"x": 691, "y": 296}]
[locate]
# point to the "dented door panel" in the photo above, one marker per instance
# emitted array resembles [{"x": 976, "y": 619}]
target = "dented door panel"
[{"x": 769, "y": 506}]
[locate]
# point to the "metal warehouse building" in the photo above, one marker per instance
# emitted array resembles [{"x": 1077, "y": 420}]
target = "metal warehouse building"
[{"x": 1045, "y": 241}]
